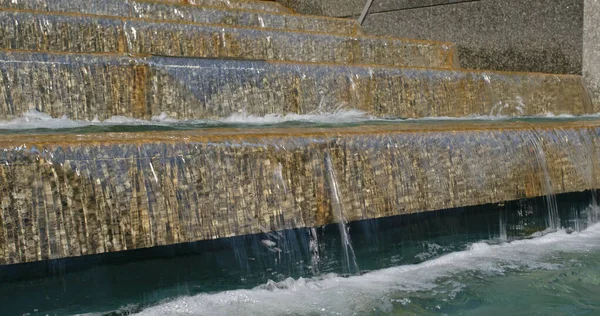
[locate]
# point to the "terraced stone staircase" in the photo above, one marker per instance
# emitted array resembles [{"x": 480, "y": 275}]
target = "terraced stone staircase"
[{"x": 65, "y": 195}]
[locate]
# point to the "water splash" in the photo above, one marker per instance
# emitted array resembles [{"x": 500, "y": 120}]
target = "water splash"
[
  {"x": 376, "y": 291},
  {"x": 315, "y": 256},
  {"x": 593, "y": 210},
  {"x": 334, "y": 117},
  {"x": 39, "y": 120}
]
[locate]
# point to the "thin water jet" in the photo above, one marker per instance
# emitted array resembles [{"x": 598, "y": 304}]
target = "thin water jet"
[{"x": 348, "y": 258}]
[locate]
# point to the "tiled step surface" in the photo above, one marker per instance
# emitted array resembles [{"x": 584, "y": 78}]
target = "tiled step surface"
[
  {"x": 71, "y": 195},
  {"x": 191, "y": 13},
  {"x": 104, "y": 5},
  {"x": 241, "y": 4},
  {"x": 92, "y": 34},
  {"x": 101, "y": 86}
]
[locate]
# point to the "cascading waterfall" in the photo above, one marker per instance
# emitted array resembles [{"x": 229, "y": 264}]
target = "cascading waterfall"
[
  {"x": 233, "y": 157},
  {"x": 589, "y": 171},
  {"x": 583, "y": 153},
  {"x": 279, "y": 259}
]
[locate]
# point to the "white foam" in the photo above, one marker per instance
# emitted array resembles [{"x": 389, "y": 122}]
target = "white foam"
[
  {"x": 34, "y": 119},
  {"x": 38, "y": 120},
  {"x": 500, "y": 117},
  {"x": 336, "y": 295},
  {"x": 338, "y": 117}
]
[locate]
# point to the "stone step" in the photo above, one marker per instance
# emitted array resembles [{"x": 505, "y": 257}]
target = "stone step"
[
  {"x": 91, "y": 34},
  {"x": 270, "y": 6},
  {"x": 191, "y": 13},
  {"x": 71, "y": 195},
  {"x": 104, "y": 85},
  {"x": 114, "y": 7}
]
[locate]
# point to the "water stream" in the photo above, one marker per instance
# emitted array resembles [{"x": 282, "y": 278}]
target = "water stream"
[{"x": 349, "y": 258}]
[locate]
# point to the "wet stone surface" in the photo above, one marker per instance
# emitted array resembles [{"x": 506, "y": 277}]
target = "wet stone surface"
[
  {"x": 77, "y": 34},
  {"x": 101, "y": 86},
  {"x": 71, "y": 195},
  {"x": 191, "y": 13},
  {"x": 102, "y": 6}
]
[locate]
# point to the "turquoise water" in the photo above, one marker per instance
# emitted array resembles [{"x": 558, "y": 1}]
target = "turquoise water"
[
  {"x": 490, "y": 260},
  {"x": 557, "y": 274}
]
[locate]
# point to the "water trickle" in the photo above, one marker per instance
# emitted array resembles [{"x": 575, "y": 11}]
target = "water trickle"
[
  {"x": 349, "y": 263},
  {"x": 223, "y": 38},
  {"x": 502, "y": 227},
  {"x": 593, "y": 211},
  {"x": 532, "y": 140},
  {"x": 355, "y": 95},
  {"x": 130, "y": 36},
  {"x": 315, "y": 257}
]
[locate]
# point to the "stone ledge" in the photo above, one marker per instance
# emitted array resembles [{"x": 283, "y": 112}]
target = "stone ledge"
[
  {"x": 591, "y": 49},
  {"x": 67, "y": 195},
  {"x": 533, "y": 35},
  {"x": 104, "y": 85},
  {"x": 61, "y": 32},
  {"x": 104, "y": 5},
  {"x": 191, "y": 13}
]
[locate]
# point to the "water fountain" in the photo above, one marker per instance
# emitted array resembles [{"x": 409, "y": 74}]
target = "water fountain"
[{"x": 274, "y": 190}]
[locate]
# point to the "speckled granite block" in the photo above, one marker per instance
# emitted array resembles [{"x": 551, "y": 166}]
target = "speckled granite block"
[
  {"x": 591, "y": 50},
  {"x": 89, "y": 34},
  {"x": 532, "y": 35},
  {"x": 347, "y": 8},
  {"x": 100, "y": 86},
  {"x": 191, "y": 13},
  {"x": 72, "y": 195},
  {"x": 515, "y": 35}
]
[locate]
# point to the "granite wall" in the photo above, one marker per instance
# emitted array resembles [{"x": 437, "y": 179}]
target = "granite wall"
[
  {"x": 347, "y": 8},
  {"x": 532, "y": 35},
  {"x": 591, "y": 49}
]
